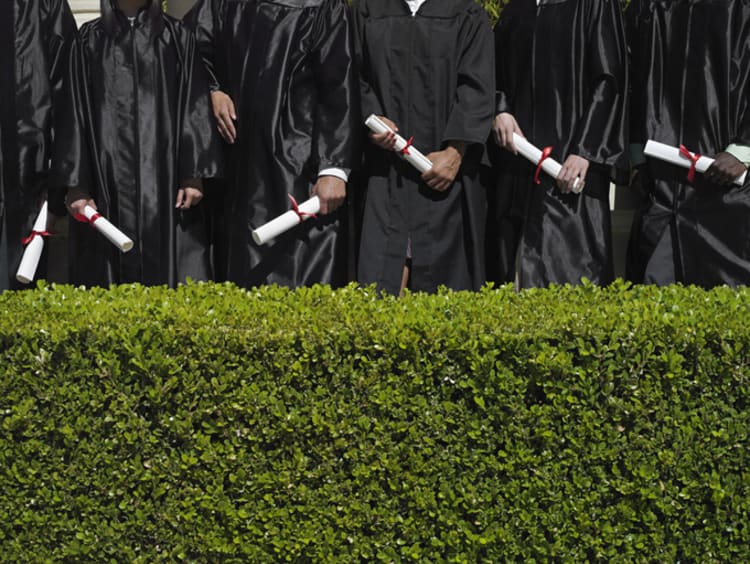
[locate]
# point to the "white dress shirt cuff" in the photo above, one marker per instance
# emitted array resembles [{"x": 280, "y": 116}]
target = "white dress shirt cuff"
[
  {"x": 740, "y": 152},
  {"x": 337, "y": 172}
]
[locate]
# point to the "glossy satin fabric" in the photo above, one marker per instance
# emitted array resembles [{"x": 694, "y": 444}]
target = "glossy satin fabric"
[
  {"x": 691, "y": 69},
  {"x": 432, "y": 74},
  {"x": 35, "y": 36},
  {"x": 562, "y": 72},
  {"x": 138, "y": 122},
  {"x": 288, "y": 67}
]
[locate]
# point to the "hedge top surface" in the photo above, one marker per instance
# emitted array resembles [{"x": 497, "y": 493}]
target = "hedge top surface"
[{"x": 553, "y": 313}]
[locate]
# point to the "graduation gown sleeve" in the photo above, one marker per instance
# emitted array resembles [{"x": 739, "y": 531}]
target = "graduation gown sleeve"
[
  {"x": 502, "y": 102},
  {"x": 200, "y": 153},
  {"x": 600, "y": 135},
  {"x": 741, "y": 67},
  {"x": 72, "y": 152},
  {"x": 204, "y": 22},
  {"x": 337, "y": 110},
  {"x": 470, "y": 116},
  {"x": 59, "y": 31},
  {"x": 45, "y": 30},
  {"x": 369, "y": 99}
]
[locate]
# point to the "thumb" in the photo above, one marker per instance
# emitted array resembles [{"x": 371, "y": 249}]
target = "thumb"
[{"x": 180, "y": 198}]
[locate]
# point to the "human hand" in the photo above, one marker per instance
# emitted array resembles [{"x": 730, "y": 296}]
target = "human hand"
[
  {"x": 573, "y": 168},
  {"x": 445, "y": 167},
  {"x": 332, "y": 192},
  {"x": 504, "y": 127},
  {"x": 387, "y": 140},
  {"x": 190, "y": 194},
  {"x": 225, "y": 114},
  {"x": 725, "y": 170},
  {"x": 77, "y": 200}
]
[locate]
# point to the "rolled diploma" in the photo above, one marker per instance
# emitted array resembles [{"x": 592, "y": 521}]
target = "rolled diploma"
[
  {"x": 33, "y": 251},
  {"x": 550, "y": 166},
  {"x": 285, "y": 222},
  {"x": 103, "y": 226},
  {"x": 414, "y": 158},
  {"x": 672, "y": 155}
]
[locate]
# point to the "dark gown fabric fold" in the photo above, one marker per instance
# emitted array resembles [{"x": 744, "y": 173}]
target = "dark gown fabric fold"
[
  {"x": 137, "y": 123},
  {"x": 35, "y": 38},
  {"x": 691, "y": 76},
  {"x": 432, "y": 74},
  {"x": 288, "y": 67},
  {"x": 562, "y": 73}
]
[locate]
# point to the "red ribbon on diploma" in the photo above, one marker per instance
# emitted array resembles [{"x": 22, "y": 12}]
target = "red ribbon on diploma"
[
  {"x": 405, "y": 151},
  {"x": 83, "y": 219},
  {"x": 546, "y": 153},
  {"x": 693, "y": 158},
  {"x": 300, "y": 214},
  {"x": 30, "y": 238}
]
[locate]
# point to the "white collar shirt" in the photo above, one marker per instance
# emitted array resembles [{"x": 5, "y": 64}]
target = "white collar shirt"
[{"x": 414, "y": 5}]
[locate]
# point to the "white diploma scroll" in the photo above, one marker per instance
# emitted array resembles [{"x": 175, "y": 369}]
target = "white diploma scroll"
[
  {"x": 286, "y": 221},
  {"x": 413, "y": 156},
  {"x": 672, "y": 155},
  {"x": 103, "y": 226},
  {"x": 35, "y": 246},
  {"x": 534, "y": 155}
]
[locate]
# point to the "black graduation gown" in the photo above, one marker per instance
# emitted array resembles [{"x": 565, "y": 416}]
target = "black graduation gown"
[
  {"x": 35, "y": 37},
  {"x": 691, "y": 77},
  {"x": 562, "y": 72},
  {"x": 288, "y": 67},
  {"x": 432, "y": 74},
  {"x": 138, "y": 121}
]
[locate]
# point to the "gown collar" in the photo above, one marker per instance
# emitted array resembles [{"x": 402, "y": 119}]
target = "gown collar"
[{"x": 149, "y": 17}]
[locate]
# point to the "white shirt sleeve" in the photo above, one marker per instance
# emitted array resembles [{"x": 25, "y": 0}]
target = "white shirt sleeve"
[
  {"x": 740, "y": 152},
  {"x": 337, "y": 172}
]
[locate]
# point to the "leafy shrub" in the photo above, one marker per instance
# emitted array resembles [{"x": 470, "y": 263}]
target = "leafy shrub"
[{"x": 214, "y": 424}]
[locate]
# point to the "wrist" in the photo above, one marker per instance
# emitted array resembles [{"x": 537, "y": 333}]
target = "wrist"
[
  {"x": 75, "y": 194},
  {"x": 456, "y": 148},
  {"x": 196, "y": 183}
]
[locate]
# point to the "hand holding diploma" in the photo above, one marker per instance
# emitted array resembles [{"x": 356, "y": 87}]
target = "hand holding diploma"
[
  {"x": 385, "y": 135},
  {"x": 332, "y": 193},
  {"x": 284, "y": 222},
  {"x": 572, "y": 174},
  {"x": 34, "y": 247},
  {"x": 570, "y": 180},
  {"x": 445, "y": 167},
  {"x": 683, "y": 157},
  {"x": 725, "y": 170},
  {"x": 84, "y": 210},
  {"x": 504, "y": 127}
]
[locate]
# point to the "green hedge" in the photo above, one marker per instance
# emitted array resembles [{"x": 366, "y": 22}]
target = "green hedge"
[{"x": 212, "y": 424}]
